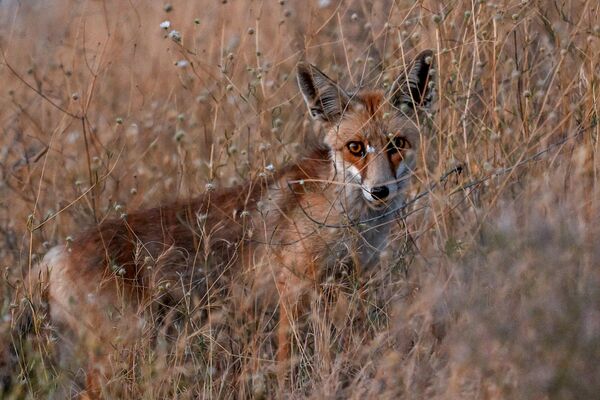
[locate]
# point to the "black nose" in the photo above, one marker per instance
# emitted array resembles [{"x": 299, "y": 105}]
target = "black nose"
[{"x": 380, "y": 192}]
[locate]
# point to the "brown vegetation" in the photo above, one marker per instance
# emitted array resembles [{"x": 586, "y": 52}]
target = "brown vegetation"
[{"x": 490, "y": 286}]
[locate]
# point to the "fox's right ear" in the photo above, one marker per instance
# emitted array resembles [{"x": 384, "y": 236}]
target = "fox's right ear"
[{"x": 324, "y": 98}]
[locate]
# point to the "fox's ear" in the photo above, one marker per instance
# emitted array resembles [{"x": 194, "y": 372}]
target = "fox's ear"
[
  {"x": 324, "y": 98},
  {"x": 411, "y": 90}
]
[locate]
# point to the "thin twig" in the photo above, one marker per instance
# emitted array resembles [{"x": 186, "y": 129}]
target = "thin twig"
[{"x": 41, "y": 94}]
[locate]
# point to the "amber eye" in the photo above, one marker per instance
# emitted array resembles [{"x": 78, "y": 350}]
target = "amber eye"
[
  {"x": 356, "y": 148},
  {"x": 399, "y": 143}
]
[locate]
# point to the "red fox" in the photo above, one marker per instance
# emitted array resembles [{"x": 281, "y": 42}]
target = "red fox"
[{"x": 273, "y": 235}]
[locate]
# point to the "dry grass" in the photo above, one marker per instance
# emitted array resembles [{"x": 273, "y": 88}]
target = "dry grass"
[{"x": 489, "y": 290}]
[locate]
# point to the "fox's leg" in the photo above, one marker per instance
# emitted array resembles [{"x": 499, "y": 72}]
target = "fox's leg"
[
  {"x": 289, "y": 289},
  {"x": 286, "y": 315},
  {"x": 293, "y": 287},
  {"x": 95, "y": 377},
  {"x": 92, "y": 385},
  {"x": 283, "y": 344}
]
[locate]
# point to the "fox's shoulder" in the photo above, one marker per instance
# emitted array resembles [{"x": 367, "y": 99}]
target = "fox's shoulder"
[{"x": 314, "y": 165}]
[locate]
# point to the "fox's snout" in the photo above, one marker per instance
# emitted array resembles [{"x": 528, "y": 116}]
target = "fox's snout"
[
  {"x": 380, "y": 192},
  {"x": 380, "y": 185}
]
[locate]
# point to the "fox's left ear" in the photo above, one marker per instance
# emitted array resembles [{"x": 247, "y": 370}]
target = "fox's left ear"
[
  {"x": 411, "y": 90},
  {"x": 324, "y": 98}
]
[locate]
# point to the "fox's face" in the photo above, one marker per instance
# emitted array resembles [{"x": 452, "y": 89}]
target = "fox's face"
[{"x": 373, "y": 135}]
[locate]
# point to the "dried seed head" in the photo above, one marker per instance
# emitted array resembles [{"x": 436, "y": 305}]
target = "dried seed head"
[{"x": 175, "y": 36}]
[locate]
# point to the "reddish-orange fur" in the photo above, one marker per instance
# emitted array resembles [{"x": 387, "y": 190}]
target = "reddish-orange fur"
[{"x": 275, "y": 235}]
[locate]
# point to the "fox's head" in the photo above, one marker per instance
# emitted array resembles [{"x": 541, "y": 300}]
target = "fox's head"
[{"x": 373, "y": 135}]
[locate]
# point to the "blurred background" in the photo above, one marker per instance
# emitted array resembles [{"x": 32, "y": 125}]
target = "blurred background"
[{"x": 491, "y": 285}]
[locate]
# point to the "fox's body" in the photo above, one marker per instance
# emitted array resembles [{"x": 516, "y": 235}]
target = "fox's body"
[{"x": 275, "y": 236}]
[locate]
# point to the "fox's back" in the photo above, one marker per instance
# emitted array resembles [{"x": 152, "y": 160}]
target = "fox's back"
[{"x": 214, "y": 233}]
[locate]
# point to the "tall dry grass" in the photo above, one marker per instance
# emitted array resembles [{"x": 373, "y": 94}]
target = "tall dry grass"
[{"x": 490, "y": 287}]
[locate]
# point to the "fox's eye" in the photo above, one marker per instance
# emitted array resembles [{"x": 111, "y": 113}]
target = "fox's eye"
[
  {"x": 399, "y": 143},
  {"x": 356, "y": 148}
]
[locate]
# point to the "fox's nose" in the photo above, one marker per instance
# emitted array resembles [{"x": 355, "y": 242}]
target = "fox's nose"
[{"x": 380, "y": 192}]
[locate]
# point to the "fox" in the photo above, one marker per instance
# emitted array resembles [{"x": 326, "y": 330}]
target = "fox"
[{"x": 274, "y": 235}]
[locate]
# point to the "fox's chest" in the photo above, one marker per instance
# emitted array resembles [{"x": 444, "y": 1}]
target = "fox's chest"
[
  {"x": 326, "y": 249},
  {"x": 322, "y": 229}
]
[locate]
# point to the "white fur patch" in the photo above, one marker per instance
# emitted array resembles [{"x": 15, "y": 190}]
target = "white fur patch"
[
  {"x": 60, "y": 286},
  {"x": 55, "y": 256},
  {"x": 367, "y": 194},
  {"x": 353, "y": 174},
  {"x": 54, "y": 264},
  {"x": 350, "y": 172},
  {"x": 370, "y": 149}
]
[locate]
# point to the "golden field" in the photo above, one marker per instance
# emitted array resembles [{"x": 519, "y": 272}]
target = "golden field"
[{"x": 491, "y": 286}]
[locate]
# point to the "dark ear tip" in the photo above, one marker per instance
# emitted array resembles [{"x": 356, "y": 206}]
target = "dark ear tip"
[{"x": 426, "y": 56}]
